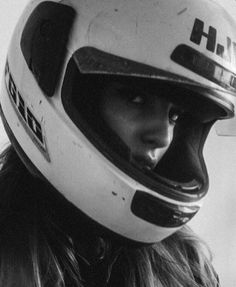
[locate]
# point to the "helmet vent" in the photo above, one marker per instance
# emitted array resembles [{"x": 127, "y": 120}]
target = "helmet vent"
[
  {"x": 44, "y": 40},
  {"x": 204, "y": 66},
  {"x": 161, "y": 213}
]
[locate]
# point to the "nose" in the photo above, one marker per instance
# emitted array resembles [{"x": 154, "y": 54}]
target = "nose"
[{"x": 157, "y": 129}]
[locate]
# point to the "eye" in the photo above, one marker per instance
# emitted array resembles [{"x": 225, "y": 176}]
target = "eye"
[
  {"x": 140, "y": 99},
  {"x": 174, "y": 114},
  {"x": 131, "y": 94}
]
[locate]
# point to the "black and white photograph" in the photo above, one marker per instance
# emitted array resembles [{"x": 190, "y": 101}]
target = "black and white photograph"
[{"x": 118, "y": 143}]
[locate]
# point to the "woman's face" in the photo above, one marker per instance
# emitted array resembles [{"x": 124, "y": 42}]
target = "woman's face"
[{"x": 144, "y": 120}]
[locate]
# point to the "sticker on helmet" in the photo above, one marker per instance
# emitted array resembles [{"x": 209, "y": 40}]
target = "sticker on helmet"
[
  {"x": 203, "y": 65},
  {"x": 25, "y": 114},
  {"x": 228, "y": 53}
]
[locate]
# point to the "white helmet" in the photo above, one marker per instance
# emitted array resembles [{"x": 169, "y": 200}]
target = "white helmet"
[{"x": 181, "y": 43}]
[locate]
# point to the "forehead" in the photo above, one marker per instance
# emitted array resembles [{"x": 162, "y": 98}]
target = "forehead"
[{"x": 131, "y": 87}]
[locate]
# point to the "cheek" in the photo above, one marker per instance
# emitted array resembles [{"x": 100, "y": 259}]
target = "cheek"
[
  {"x": 119, "y": 124},
  {"x": 171, "y": 133},
  {"x": 119, "y": 121}
]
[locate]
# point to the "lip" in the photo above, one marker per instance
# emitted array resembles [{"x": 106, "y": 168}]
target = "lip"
[{"x": 144, "y": 162}]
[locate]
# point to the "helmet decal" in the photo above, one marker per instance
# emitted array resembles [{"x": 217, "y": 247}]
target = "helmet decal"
[
  {"x": 203, "y": 65},
  {"x": 31, "y": 124},
  {"x": 228, "y": 53}
]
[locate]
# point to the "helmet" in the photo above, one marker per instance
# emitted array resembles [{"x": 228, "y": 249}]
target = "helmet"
[{"x": 63, "y": 48}]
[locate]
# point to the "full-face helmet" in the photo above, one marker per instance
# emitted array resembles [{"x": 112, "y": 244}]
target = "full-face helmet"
[{"x": 60, "y": 55}]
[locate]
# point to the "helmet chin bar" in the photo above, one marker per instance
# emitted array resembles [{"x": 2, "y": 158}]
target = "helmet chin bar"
[
  {"x": 186, "y": 187},
  {"x": 143, "y": 205}
]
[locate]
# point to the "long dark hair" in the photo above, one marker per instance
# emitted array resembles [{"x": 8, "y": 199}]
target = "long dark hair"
[{"x": 38, "y": 249}]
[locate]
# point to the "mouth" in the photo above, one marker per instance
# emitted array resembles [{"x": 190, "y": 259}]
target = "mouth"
[{"x": 144, "y": 162}]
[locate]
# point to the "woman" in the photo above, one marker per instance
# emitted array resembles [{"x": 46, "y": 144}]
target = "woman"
[
  {"x": 43, "y": 240},
  {"x": 106, "y": 164}
]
